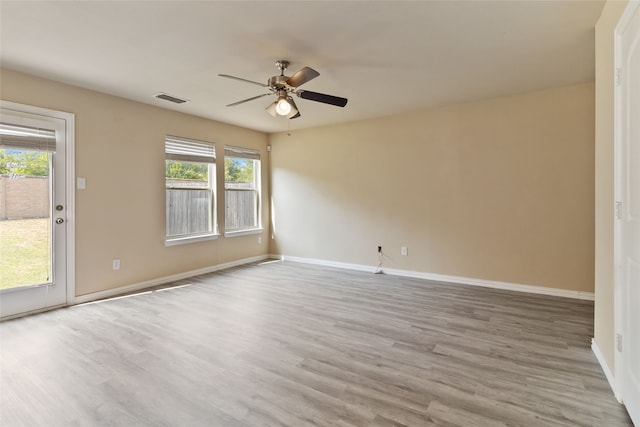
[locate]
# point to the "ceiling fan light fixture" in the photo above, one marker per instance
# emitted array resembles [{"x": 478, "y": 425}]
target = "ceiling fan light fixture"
[
  {"x": 294, "y": 109},
  {"x": 283, "y": 107},
  {"x": 271, "y": 108}
]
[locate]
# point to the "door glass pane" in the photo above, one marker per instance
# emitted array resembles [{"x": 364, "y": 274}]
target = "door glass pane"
[{"x": 25, "y": 218}]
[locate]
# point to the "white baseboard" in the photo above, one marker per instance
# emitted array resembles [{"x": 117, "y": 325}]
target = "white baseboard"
[
  {"x": 109, "y": 293},
  {"x": 605, "y": 368},
  {"x": 589, "y": 296},
  {"x": 325, "y": 263}
]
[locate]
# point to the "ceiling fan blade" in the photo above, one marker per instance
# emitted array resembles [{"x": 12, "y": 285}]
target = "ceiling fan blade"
[
  {"x": 243, "y": 80},
  {"x": 302, "y": 76},
  {"x": 248, "y": 99},
  {"x": 321, "y": 97}
]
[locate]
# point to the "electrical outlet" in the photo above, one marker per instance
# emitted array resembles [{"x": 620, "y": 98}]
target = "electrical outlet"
[
  {"x": 404, "y": 251},
  {"x": 116, "y": 264}
]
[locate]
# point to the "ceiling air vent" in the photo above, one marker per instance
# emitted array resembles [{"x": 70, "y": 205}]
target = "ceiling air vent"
[{"x": 170, "y": 98}]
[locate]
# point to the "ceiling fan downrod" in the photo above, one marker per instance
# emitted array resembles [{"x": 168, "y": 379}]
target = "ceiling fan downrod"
[{"x": 282, "y": 65}]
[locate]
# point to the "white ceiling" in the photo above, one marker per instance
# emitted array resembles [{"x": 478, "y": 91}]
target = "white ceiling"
[{"x": 386, "y": 57}]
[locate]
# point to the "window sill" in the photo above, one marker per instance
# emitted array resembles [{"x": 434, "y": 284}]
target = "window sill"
[
  {"x": 243, "y": 232},
  {"x": 191, "y": 239}
]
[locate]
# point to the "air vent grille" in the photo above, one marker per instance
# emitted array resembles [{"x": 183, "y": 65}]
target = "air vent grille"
[{"x": 170, "y": 98}]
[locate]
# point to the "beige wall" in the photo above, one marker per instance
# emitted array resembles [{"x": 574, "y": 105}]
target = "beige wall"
[
  {"x": 120, "y": 152},
  {"x": 498, "y": 190},
  {"x": 604, "y": 332}
]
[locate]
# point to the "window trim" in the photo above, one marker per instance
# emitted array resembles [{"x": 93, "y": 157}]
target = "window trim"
[
  {"x": 175, "y": 241},
  {"x": 243, "y": 232}
]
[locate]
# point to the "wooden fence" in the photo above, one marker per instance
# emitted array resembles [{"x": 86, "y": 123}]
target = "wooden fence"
[
  {"x": 240, "y": 211},
  {"x": 189, "y": 210}
]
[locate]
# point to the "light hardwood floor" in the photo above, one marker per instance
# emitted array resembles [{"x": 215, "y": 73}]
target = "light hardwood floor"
[{"x": 301, "y": 345}]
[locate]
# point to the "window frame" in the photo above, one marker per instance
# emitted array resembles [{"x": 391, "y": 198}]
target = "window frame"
[
  {"x": 192, "y": 151},
  {"x": 253, "y": 155}
]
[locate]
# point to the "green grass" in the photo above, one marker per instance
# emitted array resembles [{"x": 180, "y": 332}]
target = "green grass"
[{"x": 24, "y": 252}]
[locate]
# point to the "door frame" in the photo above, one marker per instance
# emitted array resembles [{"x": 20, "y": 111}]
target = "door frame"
[
  {"x": 619, "y": 288},
  {"x": 69, "y": 185}
]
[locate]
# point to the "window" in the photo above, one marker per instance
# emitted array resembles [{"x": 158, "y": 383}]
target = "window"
[
  {"x": 190, "y": 184},
  {"x": 241, "y": 189}
]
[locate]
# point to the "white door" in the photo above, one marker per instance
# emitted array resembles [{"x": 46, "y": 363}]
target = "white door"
[
  {"x": 34, "y": 212},
  {"x": 628, "y": 227}
]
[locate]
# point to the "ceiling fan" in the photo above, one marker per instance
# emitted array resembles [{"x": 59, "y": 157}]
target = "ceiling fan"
[{"x": 284, "y": 86}]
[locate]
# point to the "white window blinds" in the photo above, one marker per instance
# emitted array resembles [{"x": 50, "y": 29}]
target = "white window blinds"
[
  {"x": 189, "y": 150},
  {"x": 27, "y": 138},
  {"x": 244, "y": 153}
]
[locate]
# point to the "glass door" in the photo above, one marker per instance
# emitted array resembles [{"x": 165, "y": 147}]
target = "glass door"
[{"x": 33, "y": 211}]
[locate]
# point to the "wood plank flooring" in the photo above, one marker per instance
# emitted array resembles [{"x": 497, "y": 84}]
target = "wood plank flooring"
[{"x": 287, "y": 344}]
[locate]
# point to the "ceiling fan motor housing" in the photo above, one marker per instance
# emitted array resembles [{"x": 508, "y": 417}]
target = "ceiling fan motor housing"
[{"x": 278, "y": 82}]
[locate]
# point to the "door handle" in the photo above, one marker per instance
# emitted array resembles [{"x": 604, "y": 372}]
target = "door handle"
[{"x": 59, "y": 220}]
